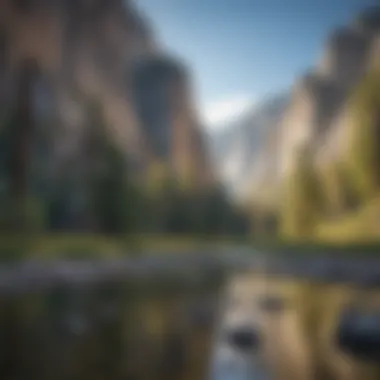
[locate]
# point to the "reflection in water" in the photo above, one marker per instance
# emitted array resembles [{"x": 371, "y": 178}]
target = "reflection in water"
[
  {"x": 231, "y": 365},
  {"x": 113, "y": 331},
  {"x": 160, "y": 331},
  {"x": 298, "y": 323}
]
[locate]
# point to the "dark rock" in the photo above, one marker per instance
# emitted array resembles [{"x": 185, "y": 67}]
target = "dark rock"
[
  {"x": 359, "y": 334},
  {"x": 244, "y": 338},
  {"x": 369, "y": 20}
]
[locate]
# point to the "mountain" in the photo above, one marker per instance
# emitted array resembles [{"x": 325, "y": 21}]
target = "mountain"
[
  {"x": 239, "y": 148},
  {"x": 258, "y": 152},
  {"x": 309, "y": 163},
  {"x": 103, "y": 51},
  {"x": 319, "y": 115}
]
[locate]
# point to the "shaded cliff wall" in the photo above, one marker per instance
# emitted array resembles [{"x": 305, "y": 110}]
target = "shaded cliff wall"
[{"x": 103, "y": 50}]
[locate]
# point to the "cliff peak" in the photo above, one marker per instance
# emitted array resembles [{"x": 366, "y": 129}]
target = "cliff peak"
[
  {"x": 369, "y": 20},
  {"x": 318, "y": 113}
]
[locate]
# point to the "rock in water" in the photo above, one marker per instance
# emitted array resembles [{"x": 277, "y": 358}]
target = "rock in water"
[{"x": 359, "y": 334}]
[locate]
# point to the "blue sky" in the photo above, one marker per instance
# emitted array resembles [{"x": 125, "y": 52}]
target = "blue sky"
[{"x": 240, "y": 51}]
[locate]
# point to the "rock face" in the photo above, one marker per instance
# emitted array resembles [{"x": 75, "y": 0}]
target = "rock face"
[
  {"x": 318, "y": 114},
  {"x": 259, "y": 150},
  {"x": 241, "y": 151},
  {"x": 319, "y": 111},
  {"x": 162, "y": 100},
  {"x": 102, "y": 50}
]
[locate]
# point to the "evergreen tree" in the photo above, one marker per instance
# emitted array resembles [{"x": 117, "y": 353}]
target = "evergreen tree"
[
  {"x": 303, "y": 202},
  {"x": 363, "y": 158},
  {"x": 113, "y": 197},
  {"x": 19, "y": 211},
  {"x": 339, "y": 193}
]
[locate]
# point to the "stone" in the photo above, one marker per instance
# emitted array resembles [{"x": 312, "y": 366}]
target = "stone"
[{"x": 359, "y": 334}]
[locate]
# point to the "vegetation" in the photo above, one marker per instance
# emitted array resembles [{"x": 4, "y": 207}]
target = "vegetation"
[
  {"x": 339, "y": 204},
  {"x": 99, "y": 195},
  {"x": 303, "y": 201},
  {"x": 339, "y": 193},
  {"x": 364, "y": 153},
  {"x": 112, "y": 195}
]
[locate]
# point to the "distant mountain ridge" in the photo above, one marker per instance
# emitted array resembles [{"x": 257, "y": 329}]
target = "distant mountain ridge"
[{"x": 238, "y": 147}]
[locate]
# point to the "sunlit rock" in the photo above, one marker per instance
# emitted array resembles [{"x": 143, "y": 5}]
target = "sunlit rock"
[{"x": 296, "y": 324}]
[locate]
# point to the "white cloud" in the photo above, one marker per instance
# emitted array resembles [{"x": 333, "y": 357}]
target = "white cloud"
[{"x": 218, "y": 113}]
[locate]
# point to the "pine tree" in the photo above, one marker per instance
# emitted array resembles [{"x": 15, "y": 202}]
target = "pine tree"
[
  {"x": 363, "y": 159},
  {"x": 303, "y": 202},
  {"x": 113, "y": 196}
]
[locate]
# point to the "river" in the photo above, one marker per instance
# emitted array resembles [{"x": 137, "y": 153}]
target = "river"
[{"x": 130, "y": 312}]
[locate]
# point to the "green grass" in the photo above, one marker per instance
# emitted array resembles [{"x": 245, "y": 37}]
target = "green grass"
[
  {"x": 89, "y": 246},
  {"x": 359, "y": 227},
  {"x": 84, "y": 246},
  {"x": 318, "y": 248},
  {"x": 353, "y": 234}
]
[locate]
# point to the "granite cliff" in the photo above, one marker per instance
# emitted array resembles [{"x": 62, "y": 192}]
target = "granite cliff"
[
  {"x": 102, "y": 50},
  {"x": 318, "y": 115},
  {"x": 243, "y": 150},
  {"x": 259, "y": 151}
]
